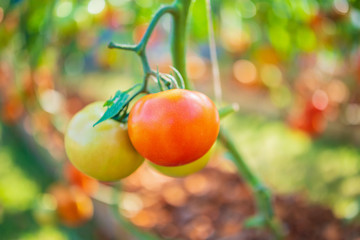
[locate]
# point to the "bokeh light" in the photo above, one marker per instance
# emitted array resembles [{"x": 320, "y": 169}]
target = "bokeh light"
[
  {"x": 341, "y": 6},
  {"x": 245, "y": 71},
  {"x": 320, "y": 100},
  {"x": 96, "y": 6},
  {"x": 64, "y": 9},
  {"x": 271, "y": 75}
]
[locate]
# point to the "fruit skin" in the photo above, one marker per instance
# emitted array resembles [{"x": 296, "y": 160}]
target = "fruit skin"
[
  {"x": 187, "y": 169},
  {"x": 173, "y": 127},
  {"x": 103, "y": 152}
]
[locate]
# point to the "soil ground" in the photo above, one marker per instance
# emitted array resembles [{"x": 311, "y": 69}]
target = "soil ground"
[{"x": 213, "y": 205}]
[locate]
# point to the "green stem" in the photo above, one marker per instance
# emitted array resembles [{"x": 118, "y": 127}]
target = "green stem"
[
  {"x": 140, "y": 48},
  {"x": 225, "y": 111},
  {"x": 178, "y": 39},
  {"x": 239, "y": 161},
  {"x": 163, "y": 10},
  {"x": 128, "y": 47},
  {"x": 145, "y": 63},
  {"x": 261, "y": 192}
]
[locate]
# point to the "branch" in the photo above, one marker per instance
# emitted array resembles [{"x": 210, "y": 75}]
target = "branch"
[
  {"x": 140, "y": 48},
  {"x": 261, "y": 192},
  {"x": 162, "y": 11},
  {"x": 123, "y": 46},
  {"x": 178, "y": 39}
]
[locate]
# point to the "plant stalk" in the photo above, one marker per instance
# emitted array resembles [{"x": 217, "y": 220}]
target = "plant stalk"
[
  {"x": 178, "y": 39},
  {"x": 261, "y": 193}
]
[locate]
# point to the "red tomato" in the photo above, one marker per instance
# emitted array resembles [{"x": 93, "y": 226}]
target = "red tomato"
[
  {"x": 77, "y": 178},
  {"x": 73, "y": 206},
  {"x": 174, "y": 127},
  {"x": 311, "y": 120}
]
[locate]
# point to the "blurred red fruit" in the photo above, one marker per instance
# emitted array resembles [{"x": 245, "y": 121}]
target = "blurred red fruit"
[
  {"x": 311, "y": 120},
  {"x": 77, "y": 178},
  {"x": 74, "y": 207}
]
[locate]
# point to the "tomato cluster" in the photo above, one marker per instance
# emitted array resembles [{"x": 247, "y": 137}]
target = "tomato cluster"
[{"x": 173, "y": 129}]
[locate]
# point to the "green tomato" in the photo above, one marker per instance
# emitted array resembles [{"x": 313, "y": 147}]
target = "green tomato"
[
  {"x": 103, "y": 152},
  {"x": 187, "y": 169}
]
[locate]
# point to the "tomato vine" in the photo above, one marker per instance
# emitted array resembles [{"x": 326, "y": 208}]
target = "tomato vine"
[{"x": 179, "y": 11}]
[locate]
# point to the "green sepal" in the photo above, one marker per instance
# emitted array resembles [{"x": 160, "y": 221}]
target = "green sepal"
[{"x": 115, "y": 105}]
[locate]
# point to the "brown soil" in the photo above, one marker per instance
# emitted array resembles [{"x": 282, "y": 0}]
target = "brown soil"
[{"x": 213, "y": 205}]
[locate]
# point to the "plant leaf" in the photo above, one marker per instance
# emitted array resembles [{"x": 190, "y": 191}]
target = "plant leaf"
[{"x": 115, "y": 105}]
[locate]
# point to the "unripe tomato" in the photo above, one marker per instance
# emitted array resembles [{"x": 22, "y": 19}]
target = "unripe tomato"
[
  {"x": 187, "y": 169},
  {"x": 173, "y": 127},
  {"x": 74, "y": 207},
  {"x": 103, "y": 152}
]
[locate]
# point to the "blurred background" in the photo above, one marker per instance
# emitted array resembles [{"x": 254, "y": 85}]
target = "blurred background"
[{"x": 292, "y": 66}]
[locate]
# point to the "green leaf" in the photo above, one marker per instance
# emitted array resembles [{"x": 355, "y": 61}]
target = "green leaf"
[{"x": 115, "y": 105}]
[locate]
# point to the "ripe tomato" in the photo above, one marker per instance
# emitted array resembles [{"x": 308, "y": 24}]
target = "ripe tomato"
[
  {"x": 187, "y": 169},
  {"x": 103, "y": 152},
  {"x": 74, "y": 207},
  {"x": 311, "y": 120},
  {"x": 173, "y": 127}
]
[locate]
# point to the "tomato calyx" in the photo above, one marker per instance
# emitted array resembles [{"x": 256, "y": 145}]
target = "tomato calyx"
[{"x": 117, "y": 106}]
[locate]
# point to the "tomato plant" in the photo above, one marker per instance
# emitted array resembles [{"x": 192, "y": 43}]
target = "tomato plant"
[
  {"x": 173, "y": 127},
  {"x": 103, "y": 152},
  {"x": 187, "y": 169}
]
